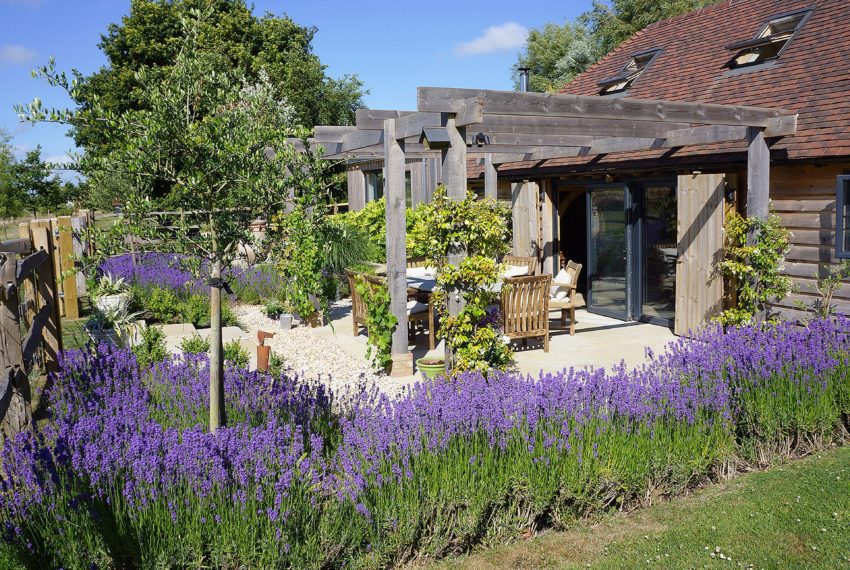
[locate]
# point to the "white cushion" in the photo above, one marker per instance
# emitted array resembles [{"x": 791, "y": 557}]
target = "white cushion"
[
  {"x": 515, "y": 271},
  {"x": 560, "y": 292},
  {"x": 421, "y": 272},
  {"x": 415, "y": 307}
]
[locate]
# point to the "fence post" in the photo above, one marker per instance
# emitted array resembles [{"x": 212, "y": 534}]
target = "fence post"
[
  {"x": 66, "y": 267},
  {"x": 42, "y": 238},
  {"x": 26, "y": 290},
  {"x": 15, "y": 410}
]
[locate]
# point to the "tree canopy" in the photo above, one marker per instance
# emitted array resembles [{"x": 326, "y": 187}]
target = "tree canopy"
[
  {"x": 555, "y": 54},
  {"x": 151, "y": 35},
  {"x": 614, "y": 21},
  {"x": 12, "y": 201}
]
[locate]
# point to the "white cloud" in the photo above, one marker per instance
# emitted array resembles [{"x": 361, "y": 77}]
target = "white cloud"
[
  {"x": 15, "y": 54},
  {"x": 505, "y": 37},
  {"x": 57, "y": 159}
]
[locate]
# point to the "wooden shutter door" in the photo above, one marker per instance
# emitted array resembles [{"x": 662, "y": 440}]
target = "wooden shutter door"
[
  {"x": 699, "y": 285},
  {"x": 525, "y": 218}
]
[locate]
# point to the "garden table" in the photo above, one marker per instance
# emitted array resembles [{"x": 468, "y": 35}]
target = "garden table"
[{"x": 421, "y": 281}]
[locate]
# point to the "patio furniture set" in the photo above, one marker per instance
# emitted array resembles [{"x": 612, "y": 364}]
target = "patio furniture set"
[{"x": 525, "y": 299}]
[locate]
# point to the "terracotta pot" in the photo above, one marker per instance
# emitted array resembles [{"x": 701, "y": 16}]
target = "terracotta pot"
[{"x": 313, "y": 321}]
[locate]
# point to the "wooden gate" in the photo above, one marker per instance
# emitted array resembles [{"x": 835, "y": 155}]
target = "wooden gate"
[
  {"x": 699, "y": 285},
  {"x": 30, "y": 328}
]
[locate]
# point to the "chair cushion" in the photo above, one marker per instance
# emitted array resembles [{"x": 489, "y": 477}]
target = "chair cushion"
[
  {"x": 416, "y": 307},
  {"x": 515, "y": 271},
  {"x": 560, "y": 292},
  {"x": 421, "y": 272}
]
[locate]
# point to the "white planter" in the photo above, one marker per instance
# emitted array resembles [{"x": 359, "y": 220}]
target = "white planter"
[
  {"x": 108, "y": 303},
  {"x": 285, "y": 321}
]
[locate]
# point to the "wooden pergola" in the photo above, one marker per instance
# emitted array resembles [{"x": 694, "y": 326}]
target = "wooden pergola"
[{"x": 507, "y": 126}]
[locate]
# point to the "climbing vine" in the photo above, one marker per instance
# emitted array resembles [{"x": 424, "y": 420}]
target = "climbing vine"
[
  {"x": 481, "y": 230},
  {"x": 754, "y": 255},
  {"x": 380, "y": 322}
]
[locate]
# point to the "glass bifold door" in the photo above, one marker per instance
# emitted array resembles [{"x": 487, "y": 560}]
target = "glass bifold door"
[{"x": 632, "y": 251}]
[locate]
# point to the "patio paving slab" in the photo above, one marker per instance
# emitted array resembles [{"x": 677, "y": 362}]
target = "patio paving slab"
[{"x": 599, "y": 342}]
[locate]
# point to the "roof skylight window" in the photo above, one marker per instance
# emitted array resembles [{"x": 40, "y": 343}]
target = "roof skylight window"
[
  {"x": 629, "y": 74},
  {"x": 769, "y": 42}
]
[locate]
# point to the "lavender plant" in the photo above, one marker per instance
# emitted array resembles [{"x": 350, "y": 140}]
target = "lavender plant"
[{"x": 125, "y": 473}]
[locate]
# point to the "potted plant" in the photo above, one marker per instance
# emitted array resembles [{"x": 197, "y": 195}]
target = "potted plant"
[
  {"x": 115, "y": 326},
  {"x": 431, "y": 366},
  {"x": 110, "y": 294},
  {"x": 276, "y": 310}
]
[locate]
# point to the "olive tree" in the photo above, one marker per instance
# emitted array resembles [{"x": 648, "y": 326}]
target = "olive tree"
[{"x": 207, "y": 143}]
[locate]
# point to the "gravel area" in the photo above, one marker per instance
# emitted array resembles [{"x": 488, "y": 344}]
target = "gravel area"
[{"x": 315, "y": 356}]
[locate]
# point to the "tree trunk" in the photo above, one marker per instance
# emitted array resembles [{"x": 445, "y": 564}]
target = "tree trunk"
[{"x": 217, "y": 418}]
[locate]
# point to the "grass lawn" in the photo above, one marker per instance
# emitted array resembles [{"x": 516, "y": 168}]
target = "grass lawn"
[{"x": 795, "y": 515}]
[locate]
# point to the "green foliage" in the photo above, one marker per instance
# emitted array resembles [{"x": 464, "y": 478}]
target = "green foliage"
[
  {"x": 829, "y": 281},
  {"x": 371, "y": 221},
  {"x": 554, "y": 55},
  {"x": 380, "y": 322},
  {"x": 754, "y": 254},
  {"x": 298, "y": 246},
  {"x": 273, "y": 309},
  {"x": 345, "y": 245},
  {"x": 43, "y": 190},
  {"x": 236, "y": 355},
  {"x": 481, "y": 229},
  {"x": 160, "y": 304},
  {"x": 151, "y": 348},
  {"x": 149, "y": 39},
  {"x": 13, "y": 197},
  {"x": 195, "y": 344},
  {"x": 472, "y": 335},
  {"x": 473, "y": 226},
  {"x": 614, "y": 21},
  {"x": 277, "y": 364}
]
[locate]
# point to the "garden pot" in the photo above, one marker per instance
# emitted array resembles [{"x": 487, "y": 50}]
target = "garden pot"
[
  {"x": 313, "y": 321},
  {"x": 431, "y": 367},
  {"x": 285, "y": 321},
  {"x": 108, "y": 336},
  {"x": 108, "y": 303}
]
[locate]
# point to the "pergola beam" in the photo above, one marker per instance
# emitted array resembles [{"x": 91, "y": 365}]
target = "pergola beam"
[
  {"x": 543, "y": 125},
  {"x": 531, "y": 139},
  {"x": 373, "y": 119},
  {"x": 562, "y": 105}
]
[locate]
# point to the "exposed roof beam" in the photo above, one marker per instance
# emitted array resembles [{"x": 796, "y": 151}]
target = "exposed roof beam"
[
  {"x": 411, "y": 126},
  {"x": 531, "y": 140},
  {"x": 572, "y": 150},
  {"x": 374, "y": 118},
  {"x": 518, "y": 124},
  {"x": 469, "y": 112},
  {"x": 623, "y": 144},
  {"x": 361, "y": 139},
  {"x": 562, "y": 105},
  {"x": 324, "y": 134}
]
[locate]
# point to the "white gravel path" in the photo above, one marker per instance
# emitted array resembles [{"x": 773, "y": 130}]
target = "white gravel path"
[{"x": 313, "y": 355}]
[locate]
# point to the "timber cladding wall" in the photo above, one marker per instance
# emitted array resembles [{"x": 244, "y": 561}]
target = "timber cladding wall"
[{"x": 804, "y": 196}]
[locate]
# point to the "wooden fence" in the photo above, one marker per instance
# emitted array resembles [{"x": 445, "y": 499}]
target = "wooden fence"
[{"x": 30, "y": 325}]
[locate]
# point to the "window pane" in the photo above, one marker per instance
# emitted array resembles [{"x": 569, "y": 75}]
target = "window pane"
[{"x": 845, "y": 217}]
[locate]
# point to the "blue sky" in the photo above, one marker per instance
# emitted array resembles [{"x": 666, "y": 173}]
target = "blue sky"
[{"x": 393, "y": 46}]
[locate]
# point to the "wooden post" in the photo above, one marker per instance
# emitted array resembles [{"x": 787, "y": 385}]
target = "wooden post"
[
  {"x": 217, "y": 415},
  {"x": 15, "y": 410},
  {"x": 42, "y": 239},
  {"x": 396, "y": 204},
  {"x": 491, "y": 178},
  {"x": 78, "y": 223},
  {"x": 356, "y": 190},
  {"x": 417, "y": 183},
  {"x": 66, "y": 265},
  {"x": 26, "y": 291},
  {"x": 758, "y": 174}
]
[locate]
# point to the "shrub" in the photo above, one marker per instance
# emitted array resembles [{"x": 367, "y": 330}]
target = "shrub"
[
  {"x": 277, "y": 364},
  {"x": 151, "y": 348},
  {"x": 195, "y": 344},
  {"x": 274, "y": 309},
  {"x": 235, "y": 355},
  {"x": 160, "y": 304}
]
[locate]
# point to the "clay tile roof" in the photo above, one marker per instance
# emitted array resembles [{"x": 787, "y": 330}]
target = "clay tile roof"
[{"x": 811, "y": 77}]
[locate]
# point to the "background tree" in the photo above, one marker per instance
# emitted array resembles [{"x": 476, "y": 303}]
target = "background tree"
[
  {"x": 554, "y": 55},
  {"x": 12, "y": 199},
  {"x": 206, "y": 140},
  {"x": 614, "y": 21},
  {"x": 42, "y": 188}
]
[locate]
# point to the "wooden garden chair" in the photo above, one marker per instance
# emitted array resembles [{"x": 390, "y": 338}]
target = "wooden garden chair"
[
  {"x": 525, "y": 308},
  {"x": 417, "y": 311},
  {"x": 421, "y": 261},
  {"x": 563, "y": 295},
  {"x": 530, "y": 263}
]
